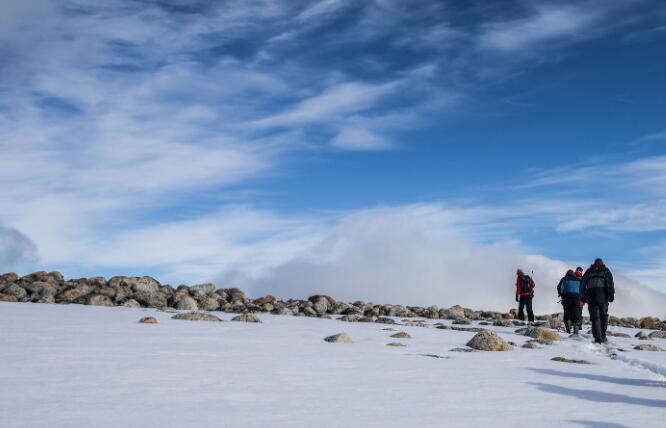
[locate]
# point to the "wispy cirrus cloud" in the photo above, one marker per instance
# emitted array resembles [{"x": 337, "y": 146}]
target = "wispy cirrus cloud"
[{"x": 125, "y": 126}]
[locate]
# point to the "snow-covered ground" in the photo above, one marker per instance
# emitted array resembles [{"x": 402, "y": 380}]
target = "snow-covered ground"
[{"x": 84, "y": 366}]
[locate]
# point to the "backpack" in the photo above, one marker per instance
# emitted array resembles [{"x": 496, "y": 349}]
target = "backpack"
[{"x": 526, "y": 284}]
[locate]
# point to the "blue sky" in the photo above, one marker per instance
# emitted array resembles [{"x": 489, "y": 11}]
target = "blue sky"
[{"x": 222, "y": 140}]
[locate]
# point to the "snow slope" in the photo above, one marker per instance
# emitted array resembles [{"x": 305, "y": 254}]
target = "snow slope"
[{"x": 74, "y": 365}]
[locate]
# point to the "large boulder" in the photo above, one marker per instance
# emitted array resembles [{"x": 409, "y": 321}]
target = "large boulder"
[
  {"x": 488, "y": 341},
  {"x": 211, "y": 303},
  {"x": 235, "y": 295},
  {"x": 284, "y": 310},
  {"x": 9, "y": 277},
  {"x": 320, "y": 304},
  {"x": 16, "y": 291},
  {"x": 76, "y": 294},
  {"x": 99, "y": 300},
  {"x": 196, "y": 316},
  {"x": 147, "y": 292},
  {"x": 200, "y": 291},
  {"x": 8, "y": 298},
  {"x": 455, "y": 312},
  {"x": 266, "y": 300},
  {"x": 651, "y": 323},
  {"x": 187, "y": 303}
]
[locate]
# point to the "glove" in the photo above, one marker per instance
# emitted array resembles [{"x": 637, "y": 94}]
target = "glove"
[
  {"x": 517, "y": 299},
  {"x": 611, "y": 297}
]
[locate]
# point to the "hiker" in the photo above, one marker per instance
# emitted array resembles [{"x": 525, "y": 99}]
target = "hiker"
[
  {"x": 599, "y": 289},
  {"x": 524, "y": 294},
  {"x": 581, "y": 305},
  {"x": 569, "y": 290}
]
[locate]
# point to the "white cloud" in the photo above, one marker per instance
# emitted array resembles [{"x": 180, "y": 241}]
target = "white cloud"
[
  {"x": 419, "y": 255},
  {"x": 323, "y": 7},
  {"x": 359, "y": 139},
  {"x": 331, "y": 105},
  {"x": 15, "y": 249},
  {"x": 544, "y": 24}
]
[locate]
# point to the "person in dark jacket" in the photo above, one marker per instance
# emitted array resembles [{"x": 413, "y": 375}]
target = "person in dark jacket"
[
  {"x": 524, "y": 294},
  {"x": 599, "y": 289},
  {"x": 569, "y": 290}
]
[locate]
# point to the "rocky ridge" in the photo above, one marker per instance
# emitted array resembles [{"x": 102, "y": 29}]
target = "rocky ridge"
[{"x": 52, "y": 287}]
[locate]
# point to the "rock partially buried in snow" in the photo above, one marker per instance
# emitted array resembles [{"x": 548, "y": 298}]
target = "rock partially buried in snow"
[
  {"x": 502, "y": 323},
  {"x": 148, "y": 320},
  {"x": 462, "y": 350},
  {"x": 246, "y": 318},
  {"x": 613, "y": 334},
  {"x": 541, "y": 334},
  {"x": 641, "y": 335},
  {"x": 196, "y": 316},
  {"x": 395, "y": 344},
  {"x": 531, "y": 344},
  {"x": 401, "y": 335},
  {"x": 338, "y": 338},
  {"x": 350, "y": 318},
  {"x": 488, "y": 341},
  {"x": 647, "y": 347},
  {"x": 566, "y": 360},
  {"x": 661, "y": 334},
  {"x": 131, "y": 303}
]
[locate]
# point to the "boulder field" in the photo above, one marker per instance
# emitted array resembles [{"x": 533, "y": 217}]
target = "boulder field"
[{"x": 131, "y": 291}]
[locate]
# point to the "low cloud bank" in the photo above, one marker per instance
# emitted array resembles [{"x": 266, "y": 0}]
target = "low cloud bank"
[
  {"x": 15, "y": 248},
  {"x": 406, "y": 256}
]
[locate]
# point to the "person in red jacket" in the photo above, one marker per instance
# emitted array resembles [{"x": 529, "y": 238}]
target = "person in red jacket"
[{"x": 524, "y": 294}]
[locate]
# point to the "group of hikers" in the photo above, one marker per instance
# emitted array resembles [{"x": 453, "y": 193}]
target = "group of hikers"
[{"x": 594, "y": 287}]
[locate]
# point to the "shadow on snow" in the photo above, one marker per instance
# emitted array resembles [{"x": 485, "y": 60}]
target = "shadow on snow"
[
  {"x": 597, "y": 424},
  {"x": 598, "y": 396},
  {"x": 602, "y": 378}
]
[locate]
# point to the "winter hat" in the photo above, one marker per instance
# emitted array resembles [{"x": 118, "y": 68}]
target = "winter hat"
[
  {"x": 570, "y": 272},
  {"x": 520, "y": 272},
  {"x": 598, "y": 261},
  {"x": 579, "y": 269}
]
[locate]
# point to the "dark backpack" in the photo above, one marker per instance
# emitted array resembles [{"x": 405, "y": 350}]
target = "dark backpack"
[{"x": 526, "y": 284}]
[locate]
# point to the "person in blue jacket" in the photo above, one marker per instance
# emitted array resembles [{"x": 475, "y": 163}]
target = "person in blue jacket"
[{"x": 569, "y": 289}]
